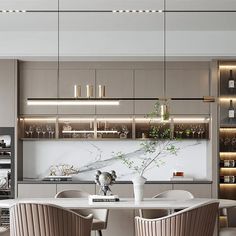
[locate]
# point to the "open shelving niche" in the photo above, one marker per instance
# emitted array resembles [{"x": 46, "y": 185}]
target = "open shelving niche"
[
  {"x": 109, "y": 127},
  {"x": 227, "y": 134}
]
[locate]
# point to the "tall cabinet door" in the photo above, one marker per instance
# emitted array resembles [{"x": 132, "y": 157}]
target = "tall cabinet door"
[
  {"x": 8, "y": 72},
  {"x": 148, "y": 84},
  {"x": 69, "y": 78},
  {"x": 119, "y": 83},
  {"x": 188, "y": 80},
  {"x": 37, "y": 80}
]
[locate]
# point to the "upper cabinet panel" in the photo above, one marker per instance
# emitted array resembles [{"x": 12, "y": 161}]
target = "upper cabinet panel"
[
  {"x": 111, "y": 36},
  {"x": 148, "y": 84},
  {"x": 29, "y": 35},
  {"x": 29, "y": 4},
  {"x": 8, "y": 95},
  {"x": 118, "y": 83},
  {"x": 198, "y": 36},
  {"x": 200, "y": 5},
  {"x": 111, "y": 5},
  {"x": 37, "y": 80},
  {"x": 187, "y": 80},
  {"x": 69, "y": 78}
]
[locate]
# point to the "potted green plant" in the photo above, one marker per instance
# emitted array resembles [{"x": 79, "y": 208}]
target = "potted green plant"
[{"x": 160, "y": 142}]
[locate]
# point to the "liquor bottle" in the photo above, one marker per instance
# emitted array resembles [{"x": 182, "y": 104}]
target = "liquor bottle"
[
  {"x": 231, "y": 82},
  {"x": 231, "y": 112}
]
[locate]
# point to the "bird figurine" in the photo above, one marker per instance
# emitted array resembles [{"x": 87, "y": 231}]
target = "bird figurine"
[{"x": 104, "y": 180}]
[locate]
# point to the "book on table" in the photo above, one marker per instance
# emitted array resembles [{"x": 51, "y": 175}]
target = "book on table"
[{"x": 101, "y": 198}]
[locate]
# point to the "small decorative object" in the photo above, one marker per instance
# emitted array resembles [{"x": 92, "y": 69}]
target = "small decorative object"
[
  {"x": 63, "y": 170},
  {"x": 124, "y": 132},
  {"x": 104, "y": 180}
]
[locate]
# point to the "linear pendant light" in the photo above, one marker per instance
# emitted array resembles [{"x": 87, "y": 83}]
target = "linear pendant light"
[{"x": 102, "y": 101}]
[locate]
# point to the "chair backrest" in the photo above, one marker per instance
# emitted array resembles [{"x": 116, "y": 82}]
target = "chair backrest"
[
  {"x": 101, "y": 214},
  {"x": 30, "y": 219},
  {"x": 194, "y": 221},
  {"x": 231, "y": 217},
  {"x": 175, "y": 194},
  {"x": 171, "y": 194}
]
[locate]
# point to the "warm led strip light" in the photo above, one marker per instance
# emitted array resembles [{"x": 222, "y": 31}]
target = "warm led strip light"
[
  {"x": 228, "y": 129},
  {"x": 115, "y": 119},
  {"x": 224, "y": 99},
  {"x": 227, "y": 153},
  {"x": 89, "y": 131},
  {"x": 39, "y": 119},
  {"x": 149, "y": 120},
  {"x": 76, "y": 119},
  {"x": 192, "y": 119},
  {"x": 72, "y": 103},
  {"x": 228, "y": 168},
  {"x": 137, "y": 11},
  {"x": 227, "y": 67}
]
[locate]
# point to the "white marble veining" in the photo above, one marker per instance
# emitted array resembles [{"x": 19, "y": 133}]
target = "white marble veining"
[{"x": 92, "y": 155}]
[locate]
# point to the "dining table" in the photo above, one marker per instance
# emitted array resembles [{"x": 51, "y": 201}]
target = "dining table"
[{"x": 124, "y": 203}]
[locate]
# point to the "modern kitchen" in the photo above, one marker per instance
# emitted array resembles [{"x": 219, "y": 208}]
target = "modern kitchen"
[{"x": 119, "y": 115}]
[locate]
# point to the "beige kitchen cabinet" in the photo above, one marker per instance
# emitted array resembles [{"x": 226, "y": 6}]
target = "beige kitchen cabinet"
[
  {"x": 119, "y": 83},
  {"x": 69, "y": 78},
  {"x": 149, "y": 83},
  {"x": 37, "y": 80},
  {"x": 188, "y": 80},
  {"x": 89, "y": 188},
  {"x": 36, "y": 190},
  {"x": 198, "y": 190},
  {"x": 8, "y": 94},
  {"x": 120, "y": 222}
]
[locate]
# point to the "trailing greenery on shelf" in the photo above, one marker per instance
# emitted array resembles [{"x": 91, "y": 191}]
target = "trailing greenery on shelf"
[{"x": 160, "y": 144}]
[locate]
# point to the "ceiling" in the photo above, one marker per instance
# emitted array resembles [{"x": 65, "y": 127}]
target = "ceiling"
[
  {"x": 120, "y": 4},
  {"x": 107, "y": 35}
]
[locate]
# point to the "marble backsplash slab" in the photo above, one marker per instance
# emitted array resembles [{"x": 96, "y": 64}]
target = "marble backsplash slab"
[{"x": 89, "y": 156}]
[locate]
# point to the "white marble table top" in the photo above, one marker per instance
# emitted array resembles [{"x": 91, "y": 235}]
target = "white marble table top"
[{"x": 124, "y": 203}]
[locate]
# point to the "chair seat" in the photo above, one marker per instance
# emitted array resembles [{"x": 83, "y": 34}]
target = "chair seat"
[
  {"x": 98, "y": 224},
  {"x": 229, "y": 231}
]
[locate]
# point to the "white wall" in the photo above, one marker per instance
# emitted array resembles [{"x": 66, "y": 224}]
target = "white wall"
[{"x": 90, "y": 156}]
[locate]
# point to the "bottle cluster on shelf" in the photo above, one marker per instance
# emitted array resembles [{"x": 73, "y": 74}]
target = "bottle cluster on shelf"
[
  {"x": 228, "y": 179},
  {"x": 111, "y": 127}
]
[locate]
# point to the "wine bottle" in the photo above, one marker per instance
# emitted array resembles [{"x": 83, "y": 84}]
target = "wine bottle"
[
  {"x": 231, "y": 110},
  {"x": 231, "y": 82}
]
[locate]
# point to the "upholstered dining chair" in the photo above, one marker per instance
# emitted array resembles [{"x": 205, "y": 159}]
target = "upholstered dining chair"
[
  {"x": 100, "y": 216},
  {"x": 195, "y": 221},
  {"x": 171, "y": 194},
  {"x": 4, "y": 231},
  {"x": 30, "y": 219},
  {"x": 231, "y": 219}
]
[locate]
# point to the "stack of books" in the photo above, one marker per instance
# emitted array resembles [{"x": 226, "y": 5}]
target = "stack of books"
[
  {"x": 100, "y": 198},
  {"x": 181, "y": 178},
  {"x": 57, "y": 178}
]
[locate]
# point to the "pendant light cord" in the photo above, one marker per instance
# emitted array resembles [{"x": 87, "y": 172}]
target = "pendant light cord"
[
  {"x": 58, "y": 48},
  {"x": 164, "y": 45}
]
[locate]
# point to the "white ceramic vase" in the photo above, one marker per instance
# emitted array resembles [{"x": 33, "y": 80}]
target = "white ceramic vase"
[{"x": 138, "y": 184}]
